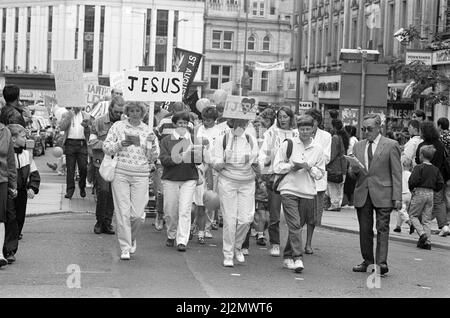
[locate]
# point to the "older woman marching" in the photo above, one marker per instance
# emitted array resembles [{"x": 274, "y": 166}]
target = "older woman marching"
[
  {"x": 234, "y": 154},
  {"x": 135, "y": 147}
]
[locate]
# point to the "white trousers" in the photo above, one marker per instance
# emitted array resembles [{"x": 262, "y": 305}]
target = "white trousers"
[
  {"x": 237, "y": 202},
  {"x": 130, "y": 195},
  {"x": 178, "y": 198}
]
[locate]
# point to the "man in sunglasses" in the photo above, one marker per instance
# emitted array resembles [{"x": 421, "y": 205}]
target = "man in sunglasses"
[
  {"x": 379, "y": 188},
  {"x": 99, "y": 131}
]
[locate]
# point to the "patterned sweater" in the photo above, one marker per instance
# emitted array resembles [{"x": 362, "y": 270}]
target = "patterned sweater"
[{"x": 131, "y": 160}]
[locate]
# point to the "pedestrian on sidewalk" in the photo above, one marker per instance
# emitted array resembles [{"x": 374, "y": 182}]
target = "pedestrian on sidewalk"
[
  {"x": 179, "y": 158},
  {"x": 410, "y": 148},
  {"x": 104, "y": 209},
  {"x": 322, "y": 139},
  {"x": 284, "y": 128},
  {"x": 234, "y": 154},
  {"x": 337, "y": 167},
  {"x": 298, "y": 189},
  {"x": 430, "y": 136},
  {"x": 350, "y": 183},
  {"x": 424, "y": 181},
  {"x": 402, "y": 215},
  {"x": 8, "y": 182},
  {"x": 378, "y": 188},
  {"x": 28, "y": 181},
  {"x": 135, "y": 147},
  {"x": 76, "y": 126}
]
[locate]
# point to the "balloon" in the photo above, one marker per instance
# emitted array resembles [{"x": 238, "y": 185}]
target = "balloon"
[
  {"x": 58, "y": 152},
  {"x": 202, "y": 103},
  {"x": 211, "y": 200},
  {"x": 219, "y": 97}
]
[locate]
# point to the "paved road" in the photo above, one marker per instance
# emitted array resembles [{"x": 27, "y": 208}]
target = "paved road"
[
  {"x": 47, "y": 174},
  {"x": 52, "y": 243}
]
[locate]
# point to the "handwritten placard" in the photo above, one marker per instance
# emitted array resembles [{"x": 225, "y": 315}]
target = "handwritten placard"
[
  {"x": 117, "y": 80},
  {"x": 153, "y": 86},
  {"x": 240, "y": 107},
  {"x": 95, "y": 93},
  {"x": 69, "y": 83}
]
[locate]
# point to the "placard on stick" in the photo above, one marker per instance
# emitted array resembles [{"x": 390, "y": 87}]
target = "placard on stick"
[
  {"x": 240, "y": 107},
  {"x": 153, "y": 86},
  {"x": 69, "y": 83}
]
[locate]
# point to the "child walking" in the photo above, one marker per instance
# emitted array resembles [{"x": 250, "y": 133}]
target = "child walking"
[
  {"x": 402, "y": 215},
  {"x": 28, "y": 181},
  {"x": 424, "y": 179}
]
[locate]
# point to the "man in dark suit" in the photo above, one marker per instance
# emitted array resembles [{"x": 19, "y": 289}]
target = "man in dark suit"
[{"x": 379, "y": 188}]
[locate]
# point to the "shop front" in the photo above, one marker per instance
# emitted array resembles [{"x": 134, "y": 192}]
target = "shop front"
[{"x": 399, "y": 107}]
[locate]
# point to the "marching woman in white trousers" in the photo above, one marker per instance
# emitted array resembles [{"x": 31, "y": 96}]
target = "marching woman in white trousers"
[
  {"x": 135, "y": 147},
  {"x": 233, "y": 156}
]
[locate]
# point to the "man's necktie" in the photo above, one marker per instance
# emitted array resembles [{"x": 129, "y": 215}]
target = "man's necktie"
[{"x": 370, "y": 153}]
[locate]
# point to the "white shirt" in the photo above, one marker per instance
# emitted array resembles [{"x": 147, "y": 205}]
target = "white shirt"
[
  {"x": 352, "y": 142},
  {"x": 410, "y": 149},
  {"x": 76, "y": 131},
  {"x": 323, "y": 140},
  {"x": 209, "y": 133},
  {"x": 374, "y": 148}
]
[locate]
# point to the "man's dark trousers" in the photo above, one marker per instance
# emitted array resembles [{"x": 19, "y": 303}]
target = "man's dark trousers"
[
  {"x": 365, "y": 219},
  {"x": 105, "y": 205},
  {"x": 76, "y": 154}
]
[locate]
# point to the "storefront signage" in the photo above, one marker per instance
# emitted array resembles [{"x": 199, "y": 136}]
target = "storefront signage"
[
  {"x": 441, "y": 57},
  {"x": 329, "y": 87},
  {"x": 419, "y": 56}
]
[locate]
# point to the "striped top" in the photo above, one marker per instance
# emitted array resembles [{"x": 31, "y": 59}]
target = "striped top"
[{"x": 131, "y": 160}]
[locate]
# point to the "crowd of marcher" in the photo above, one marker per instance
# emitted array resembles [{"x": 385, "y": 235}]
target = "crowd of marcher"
[{"x": 209, "y": 171}]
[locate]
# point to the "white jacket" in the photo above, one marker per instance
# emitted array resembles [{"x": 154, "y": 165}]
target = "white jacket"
[{"x": 301, "y": 183}]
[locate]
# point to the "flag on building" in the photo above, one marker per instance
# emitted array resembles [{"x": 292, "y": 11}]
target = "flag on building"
[{"x": 373, "y": 19}]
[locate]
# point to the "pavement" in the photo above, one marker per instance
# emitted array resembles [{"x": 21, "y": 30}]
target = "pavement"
[{"x": 50, "y": 200}]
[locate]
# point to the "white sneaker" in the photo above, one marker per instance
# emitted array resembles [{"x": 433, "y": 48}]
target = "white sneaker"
[
  {"x": 275, "y": 251},
  {"x": 245, "y": 251},
  {"x": 288, "y": 263},
  {"x": 125, "y": 256},
  {"x": 133, "y": 247},
  {"x": 239, "y": 256},
  {"x": 298, "y": 266},
  {"x": 228, "y": 262},
  {"x": 208, "y": 234},
  {"x": 445, "y": 231}
]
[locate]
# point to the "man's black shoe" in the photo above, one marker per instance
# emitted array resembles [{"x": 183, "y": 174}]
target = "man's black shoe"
[
  {"x": 83, "y": 193},
  {"x": 181, "y": 248},
  {"x": 68, "y": 196},
  {"x": 361, "y": 268},
  {"x": 98, "y": 228},
  {"x": 411, "y": 229},
  {"x": 11, "y": 258},
  {"x": 383, "y": 269},
  {"x": 170, "y": 242},
  {"x": 107, "y": 229},
  {"x": 422, "y": 240}
]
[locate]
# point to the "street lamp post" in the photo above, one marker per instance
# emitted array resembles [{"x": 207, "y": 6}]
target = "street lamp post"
[
  {"x": 244, "y": 90},
  {"x": 299, "y": 55}
]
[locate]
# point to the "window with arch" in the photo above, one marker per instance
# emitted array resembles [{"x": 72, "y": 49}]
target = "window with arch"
[
  {"x": 251, "y": 43},
  {"x": 266, "y": 43}
]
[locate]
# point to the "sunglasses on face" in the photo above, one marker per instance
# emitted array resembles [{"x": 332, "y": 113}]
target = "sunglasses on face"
[{"x": 369, "y": 129}]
